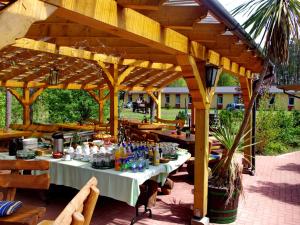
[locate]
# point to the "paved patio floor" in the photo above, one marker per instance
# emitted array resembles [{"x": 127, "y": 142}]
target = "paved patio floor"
[{"x": 272, "y": 197}]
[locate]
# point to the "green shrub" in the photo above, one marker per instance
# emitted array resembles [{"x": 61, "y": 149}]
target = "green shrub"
[
  {"x": 276, "y": 131},
  {"x": 181, "y": 116},
  {"x": 275, "y": 148},
  {"x": 231, "y": 119}
]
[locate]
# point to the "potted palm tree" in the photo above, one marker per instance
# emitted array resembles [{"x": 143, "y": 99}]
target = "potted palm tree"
[{"x": 225, "y": 182}]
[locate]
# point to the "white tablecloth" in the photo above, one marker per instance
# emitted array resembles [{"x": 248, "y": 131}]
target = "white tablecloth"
[{"x": 123, "y": 186}]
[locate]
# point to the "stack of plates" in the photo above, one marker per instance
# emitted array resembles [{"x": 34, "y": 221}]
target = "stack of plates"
[{"x": 30, "y": 143}]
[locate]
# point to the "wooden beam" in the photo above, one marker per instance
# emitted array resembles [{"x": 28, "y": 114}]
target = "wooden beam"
[
  {"x": 16, "y": 94},
  {"x": 93, "y": 95},
  {"x": 19, "y": 84},
  {"x": 194, "y": 76},
  {"x": 26, "y": 106},
  {"x": 125, "y": 74},
  {"x": 35, "y": 95},
  {"x": 213, "y": 89},
  {"x": 141, "y": 4},
  {"x": 16, "y": 19},
  {"x": 83, "y": 54},
  {"x": 131, "y": 27},
  {"x": 106, "y": 74},
  {"x": 178, "y": 16},
  {"x": 154, "y": 98}
]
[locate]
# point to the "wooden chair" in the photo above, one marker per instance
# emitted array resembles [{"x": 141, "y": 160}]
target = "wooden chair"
[
  {"x": 80, "y": 209},
  {"x": 11, "y": 178}
]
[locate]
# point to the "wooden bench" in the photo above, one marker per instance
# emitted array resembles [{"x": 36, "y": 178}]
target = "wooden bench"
[
  {"x": 80, "y": 209},
  {"x": 12, "y": 178}
]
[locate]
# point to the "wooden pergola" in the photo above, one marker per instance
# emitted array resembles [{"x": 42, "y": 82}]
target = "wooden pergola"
[{"x": 115, "y": 45}]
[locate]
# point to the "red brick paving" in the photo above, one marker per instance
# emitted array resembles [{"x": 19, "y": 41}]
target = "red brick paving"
[{"x": 272, "y": 197}]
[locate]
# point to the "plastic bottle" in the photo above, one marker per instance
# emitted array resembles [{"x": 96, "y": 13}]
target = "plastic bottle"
[
  {"x": 118, "y": 160},
  {"x": 123, "y": 159},
  {"x": 151, "y": 156},
  {"x": 156, "y": 156}
]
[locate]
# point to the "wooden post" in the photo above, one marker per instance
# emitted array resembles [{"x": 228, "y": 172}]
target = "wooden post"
[
  {"x": 8, "y": 109},
  {"x": 26, "y": 106},
  {"x": 114, "y": 114},
  {"x": 201, "y": 162},
  {"x": 101, "y": 107},
  {"x": 247, "y": 160},
  {"x": 246, "y": 88},
  {"x": 158, "y": 105},
  {"x": 193, "y": 116}
]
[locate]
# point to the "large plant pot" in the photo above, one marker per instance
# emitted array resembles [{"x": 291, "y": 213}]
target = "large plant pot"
[{"x": 218, "y": 212}]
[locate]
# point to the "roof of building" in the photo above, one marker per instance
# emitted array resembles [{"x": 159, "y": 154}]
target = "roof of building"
[{"x": 219, "y": 90}]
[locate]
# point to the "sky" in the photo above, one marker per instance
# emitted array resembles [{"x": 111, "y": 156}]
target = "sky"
[{"x": 230, "y": 5}]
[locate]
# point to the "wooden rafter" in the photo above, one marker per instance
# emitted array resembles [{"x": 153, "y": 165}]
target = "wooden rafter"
[
  {"x": 83, "y": 54},
  {"x": 174, "y": 76},
  {"x": 141, "y": 4},
  {"x": 158, "y": 78},
  {"x": 143, "y": 77}
]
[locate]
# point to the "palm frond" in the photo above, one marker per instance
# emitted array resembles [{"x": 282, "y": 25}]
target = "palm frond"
[{"x": 277, "y": 21}]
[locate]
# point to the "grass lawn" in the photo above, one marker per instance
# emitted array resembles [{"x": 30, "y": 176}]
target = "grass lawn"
[{"x": 168, "y": 114}]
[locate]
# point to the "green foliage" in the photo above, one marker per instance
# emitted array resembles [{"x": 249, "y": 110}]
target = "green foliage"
[
  {"x": 231, "y": 119},
  {"x": 66, "y": 105},
  {"x": 181, "y": 115},
  {"x": 178, "y": 83},
  {"x": 274, "y": 148},
  {"x": 227, "y": 80},
  {"x": 277, "y": 21},
  {"x": 276, "y": 130}
]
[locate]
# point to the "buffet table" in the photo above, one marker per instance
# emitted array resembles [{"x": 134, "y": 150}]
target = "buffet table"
[{"x": 122, "y": 186}]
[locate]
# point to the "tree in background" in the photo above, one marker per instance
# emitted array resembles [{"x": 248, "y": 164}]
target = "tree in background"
[
  {"x": 178, "y": 83},
  {"x": 227, "y": 79}
]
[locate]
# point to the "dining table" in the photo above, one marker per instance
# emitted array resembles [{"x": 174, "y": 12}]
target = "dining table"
[
  {"x": 138, "y": 124},
  {"x": 119, "y": 185},
  {"x": 184, "y": 141}
]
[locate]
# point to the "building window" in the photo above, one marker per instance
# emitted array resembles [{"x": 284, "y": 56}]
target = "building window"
[
  {"x": 236, "y": 98},
  {"x": 190, "y": 100},
  {"x": 167, "y": 99},
  {"x": 220, "y": 99},
  {"x": 130, "y": 97},
  {"x": 272, "y": 100},
  {"x": 177, "y": 101},
  {"x": 291, "y": 101}
]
